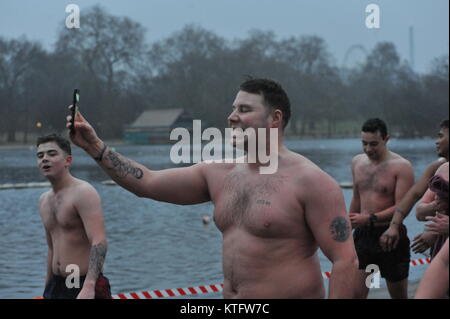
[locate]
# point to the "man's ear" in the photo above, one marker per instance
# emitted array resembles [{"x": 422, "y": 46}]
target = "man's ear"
[
  {"x": 69, "y": 159},
  {"x": 387, "y": 138},
  {"x": 277, "y": 118}
]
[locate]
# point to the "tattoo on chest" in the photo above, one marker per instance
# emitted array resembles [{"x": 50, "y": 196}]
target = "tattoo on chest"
[
  {"x": 243, "y": 195},
  {"x": 340, "y": 229},
  {"x": 263, "y": 202},
  {"x": 123, "y": 167}
]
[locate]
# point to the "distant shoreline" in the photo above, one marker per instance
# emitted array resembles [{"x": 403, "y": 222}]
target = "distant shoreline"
[
  {"x": 116, "y": 142},
  {"x": 12, "y": 146}
]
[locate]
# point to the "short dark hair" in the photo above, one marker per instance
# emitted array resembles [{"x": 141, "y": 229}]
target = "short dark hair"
[
  {"x": 444, "y": 124},
  {"x": 273, "y": 95},
  {"x": 375, "y": 125},
  {"x": 63, "y": 143}
]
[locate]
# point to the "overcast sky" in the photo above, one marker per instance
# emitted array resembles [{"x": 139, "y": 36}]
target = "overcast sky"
[{"x": 340, "y": 22}]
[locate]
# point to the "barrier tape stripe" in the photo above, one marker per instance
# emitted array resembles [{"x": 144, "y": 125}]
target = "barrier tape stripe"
[
  {"x": 170, "y": 292},
  {"x": 212, "y": 288}
]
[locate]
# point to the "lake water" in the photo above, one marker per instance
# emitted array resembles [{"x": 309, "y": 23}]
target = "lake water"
[{"x": 152, "y": 245}]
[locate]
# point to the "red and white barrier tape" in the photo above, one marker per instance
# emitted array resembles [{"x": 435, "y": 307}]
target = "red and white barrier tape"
[
  {"x": 171, "y": 292},
  {"x": 211, "y": 288},
  {"x": 420, "y": 261}
]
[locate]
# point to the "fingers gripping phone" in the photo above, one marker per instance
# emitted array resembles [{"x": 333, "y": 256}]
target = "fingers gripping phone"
[{"x": 75, "y": 101}]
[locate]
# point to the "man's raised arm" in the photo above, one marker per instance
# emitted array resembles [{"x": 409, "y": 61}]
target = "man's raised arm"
[{"x": 179, "y": 186}]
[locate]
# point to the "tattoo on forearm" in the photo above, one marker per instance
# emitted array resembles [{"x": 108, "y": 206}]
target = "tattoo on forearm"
[
  {"x": 123, "y": 167},
  {"x": 97, "y": 259},
  {"x": 400, "y": 212},
  {"x": 340, "y": 229}
]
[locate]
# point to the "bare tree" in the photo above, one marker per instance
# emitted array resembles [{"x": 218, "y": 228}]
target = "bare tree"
[
  {"x": 106, "y": 46},
  {"x": 17, "y": 58}
]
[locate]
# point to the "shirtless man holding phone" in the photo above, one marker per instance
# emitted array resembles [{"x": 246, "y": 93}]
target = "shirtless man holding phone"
[{"x": 272, "y": 225}]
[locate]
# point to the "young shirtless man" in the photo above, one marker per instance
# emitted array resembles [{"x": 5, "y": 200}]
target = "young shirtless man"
[
  {"x": 272, "y": 224},
  {"x": 380, "y": 178},
  {"x": 73, "y": 219}
]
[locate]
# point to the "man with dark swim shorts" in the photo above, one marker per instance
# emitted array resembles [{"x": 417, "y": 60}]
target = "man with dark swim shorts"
[
  {"x": 380, "y": 179},
  {"x": 57, "y": 288},
  {"x": 72, "y": 215}
]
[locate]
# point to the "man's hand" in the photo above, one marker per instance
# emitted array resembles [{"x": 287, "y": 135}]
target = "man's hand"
[
  {"x": 389, "y": 239},
  {"x": 88, "y": 291},
  {"x": 423, "y": 241},
  {"x": 84, "y": 134},
  {"x": 441, "y": 205},
  {"x": 439, "y": 224},
  {"x": 359, "y": 220}
]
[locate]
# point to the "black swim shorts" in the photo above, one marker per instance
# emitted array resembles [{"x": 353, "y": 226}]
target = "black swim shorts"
[
  {"x": 56, "y": 288},
  {"x": 393, "y": 265}
]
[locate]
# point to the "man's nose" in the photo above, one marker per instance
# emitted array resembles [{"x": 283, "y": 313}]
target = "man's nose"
[{"x": 233, "y": 117}]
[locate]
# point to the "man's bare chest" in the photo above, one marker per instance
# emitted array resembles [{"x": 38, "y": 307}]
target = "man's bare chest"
[
  {"x": 265, "y": 205},
  {"x": 380, "y": 179},
  {"x": 60, "y": 214}
]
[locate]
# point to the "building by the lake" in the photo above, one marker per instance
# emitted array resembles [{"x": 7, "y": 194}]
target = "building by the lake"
[{"x": 154, "y": 126}]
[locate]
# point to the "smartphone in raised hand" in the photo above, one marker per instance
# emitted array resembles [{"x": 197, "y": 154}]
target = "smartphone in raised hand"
[{"x": 75, "y": 101}]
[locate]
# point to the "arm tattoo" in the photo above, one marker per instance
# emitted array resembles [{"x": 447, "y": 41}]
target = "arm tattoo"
[
  {"x": 340, "y": 229},
  {"x": 400, "y": 212},
  {"x": 123, "y": 167},
  {"x": 96, "y": 259}
]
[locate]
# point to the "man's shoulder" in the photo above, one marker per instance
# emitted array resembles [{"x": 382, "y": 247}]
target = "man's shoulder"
[
  {"x": 359, "y": 158},
  {"x": 400, "y": 161},
  {"x": 212, "y": 168},
  {"x": 309, "y": 173},
  {"x": 82, "y": 187},
  {"x": 44, "y": 196},
  {"x": 302, "y": 164},
  {"x": 359, "y": 161}
]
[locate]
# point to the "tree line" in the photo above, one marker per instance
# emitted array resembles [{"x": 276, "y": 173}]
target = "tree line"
[{"x": 120, "y": 75}]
